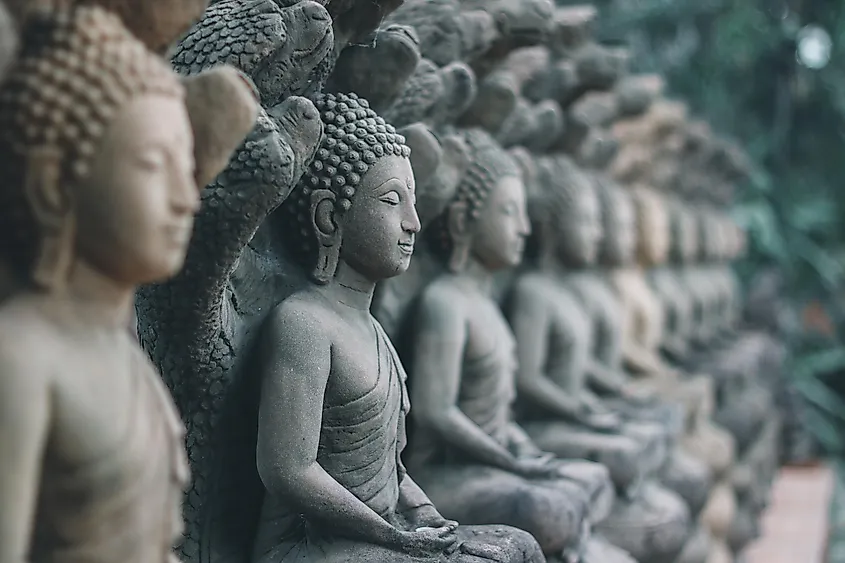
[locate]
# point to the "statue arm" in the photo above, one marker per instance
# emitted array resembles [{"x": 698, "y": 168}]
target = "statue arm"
[
  {"x": 411, "y": 496},
  {"x": 297, "y": 362},
  {"x": 605, "y": 379},
  {"x": 521, "y": 444},
  {"x": 438, "y": 357},
  {"x": 24, "y": 424},
  {"x": 531, "y": 324},
  {"x": 640, "y": 360},
  {"x": 637, "y": 357}
]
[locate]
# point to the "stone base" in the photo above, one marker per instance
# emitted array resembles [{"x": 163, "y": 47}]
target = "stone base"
[
  {"x": 744, "y": 415},
  {"x": 697, "y": 548},
  {"x": 627, "y": 458},
  {"x": 744, "y": 530},
  {"x": 689, "y": 478},
  {"x": 718, "y": 514},
  {"x": 710, "y": 444},
  {"x": 653, "y": 527}
]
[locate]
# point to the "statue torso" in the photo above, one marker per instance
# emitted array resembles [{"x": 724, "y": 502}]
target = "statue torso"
[
  {"x": 599, "y": 300},
  {"x": 114, "y": 467},
  {"x": 675, "y": 299},
  {"x": 362, "y": 433},
  {"x": 486, "y": 389},
  {"x": 569, "y": 331},
  {"x": 643, "y": 310}
]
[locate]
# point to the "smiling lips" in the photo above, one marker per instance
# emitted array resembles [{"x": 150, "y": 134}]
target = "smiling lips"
[{"x": 406, "y": 247}]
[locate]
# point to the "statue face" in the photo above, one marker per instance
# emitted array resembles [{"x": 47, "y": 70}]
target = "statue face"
[
  {"x": 499, "y": 232},
  {"x": 579, "y": 241},
  {"x": 656, "y": 235},
  {"x": 622, "y": 238},
  {"x": 689, "y": 242},
  {"x": 380, "y": 228},
  {"x": 135, "y": 208}
]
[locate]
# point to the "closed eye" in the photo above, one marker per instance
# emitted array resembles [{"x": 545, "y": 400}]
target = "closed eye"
[{"x": 390, "y": 198}]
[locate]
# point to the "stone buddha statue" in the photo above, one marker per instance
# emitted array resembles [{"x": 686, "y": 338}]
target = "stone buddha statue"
[
  {"x": 678, "y": 305},
  {"x": 554, "y": 342},
  {"x": 98, "y": 196},
  {"x": 333, "y": 402},
  {"x": 475, "y": 462},
  {"x": 703, "y": 439}
]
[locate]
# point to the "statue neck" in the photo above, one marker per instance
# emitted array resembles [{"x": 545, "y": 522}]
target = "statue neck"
[
  {"x": 92, "y": 299},
  {"x": 477, "y": 277},
  {"x": 552, "y": 265},
  {"x": 351, "y": 288}
]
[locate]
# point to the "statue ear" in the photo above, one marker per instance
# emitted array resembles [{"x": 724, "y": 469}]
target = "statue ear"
[
  {"x": 457, "y": 223},
  {"x": 328, "y": 232},
  {"x": 547, "y": 239},
  {"x": 52, "y": 208}
]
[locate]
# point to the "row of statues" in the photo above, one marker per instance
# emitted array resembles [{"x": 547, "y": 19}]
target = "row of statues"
[{"x": 315, "y": 216}]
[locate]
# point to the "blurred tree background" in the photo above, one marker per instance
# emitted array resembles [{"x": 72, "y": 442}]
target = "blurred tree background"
[{"x": 771, "y": 75}]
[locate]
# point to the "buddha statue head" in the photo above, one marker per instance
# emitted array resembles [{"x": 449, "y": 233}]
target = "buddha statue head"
[
  {"x": 719, "y": 236},
  {"x": 707, "y": 236},
  {"x": 653, "y": 228},
  {"x": 356, "y": 201},
  {"x": 156, "y": 23},
  {"x": 96, "y": 154},
  {"x": 737, "y": 241},
  {"x": 486, "y": 220},
  {"x": 619, "y": 222},
  {"x": 565, "y": 214},
  {"x": 684, "y": 232}
]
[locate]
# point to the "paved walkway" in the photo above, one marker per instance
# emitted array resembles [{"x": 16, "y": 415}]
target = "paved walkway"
[{"x": 795, "y": 526}]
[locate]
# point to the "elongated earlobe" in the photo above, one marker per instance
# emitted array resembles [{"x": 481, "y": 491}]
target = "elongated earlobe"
[
  {"x": 328, "y": 233},
  {"x": 52, "y": 210},
  {"x": 459, "y": 235}
]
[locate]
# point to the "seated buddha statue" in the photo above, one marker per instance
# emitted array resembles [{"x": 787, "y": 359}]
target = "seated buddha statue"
[
  {"x": 703, "y": 439},
  {"x": 554, "y": 344},
  {"x": 469, "y": 455},
  {"x": 744, "y": 405},
  {"x": 98, "y": 196},
  {"x": 333, "y": 401}
]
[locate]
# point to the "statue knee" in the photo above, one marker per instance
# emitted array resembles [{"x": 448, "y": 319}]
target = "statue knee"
[{"x": 555, "y": 521}]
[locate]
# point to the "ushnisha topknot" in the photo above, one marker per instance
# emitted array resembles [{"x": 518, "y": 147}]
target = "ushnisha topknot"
[
  {"x": 489, "y": 163},
  {"x": 75, "y": 70},
  {"x": 354, "y": 138},
  {"x": 561, "y": 183}
]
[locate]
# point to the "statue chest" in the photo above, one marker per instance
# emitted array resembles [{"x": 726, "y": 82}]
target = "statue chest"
[{"x": 115, "y": 466}]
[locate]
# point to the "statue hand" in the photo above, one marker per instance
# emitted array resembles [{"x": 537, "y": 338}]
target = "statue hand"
[
  {"x": 603, "y": 422},
  {"x": 638, "y": 395},
  {"x": 426, "y": 516},
  {"x": 541, "y": 466},
  {"x": 427, "y": 541}
]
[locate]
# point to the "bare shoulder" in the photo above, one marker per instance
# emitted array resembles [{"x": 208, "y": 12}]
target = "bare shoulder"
[
  {"x": 532, "y": 288},
  {"x": 442, "y": 294},
  {"x": 442, "y": 306},
  {"x": 303, "y": 318},
  {"x": 30, "y": 348}
]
